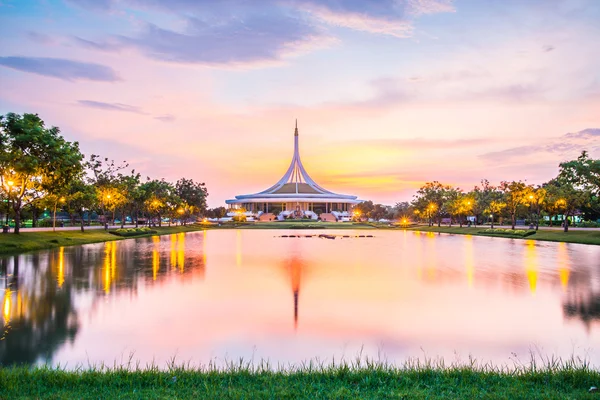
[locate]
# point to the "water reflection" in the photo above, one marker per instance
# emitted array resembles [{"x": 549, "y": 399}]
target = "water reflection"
[
  {"x": 531, "y": 264},
  {"x": 223, "y": 293}
]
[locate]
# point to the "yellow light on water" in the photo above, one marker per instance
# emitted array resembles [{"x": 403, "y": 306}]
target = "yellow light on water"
[
  {"x": 60, "y": 278},
  {"x": 6, "y": 306},
  {"x": 531, "y": 262}
]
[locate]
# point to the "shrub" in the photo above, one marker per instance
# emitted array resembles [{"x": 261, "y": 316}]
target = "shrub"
[
  {"x": 508, "y": 232},
  {"x": 131, "y": 232},
  {"x": 588, "y": 224}
]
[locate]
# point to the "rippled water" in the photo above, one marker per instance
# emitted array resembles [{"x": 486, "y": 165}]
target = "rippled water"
[{"x": 227, "y": 294}]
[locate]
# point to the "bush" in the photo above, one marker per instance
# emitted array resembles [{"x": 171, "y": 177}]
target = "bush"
[
  {"x": 128, "y": 232},
  {"x": 508, "y": 232},
  {"x": 588, "y": 224}
]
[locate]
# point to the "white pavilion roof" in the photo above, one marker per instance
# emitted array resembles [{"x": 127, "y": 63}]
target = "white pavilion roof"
[{"x": 295, "y": 185}]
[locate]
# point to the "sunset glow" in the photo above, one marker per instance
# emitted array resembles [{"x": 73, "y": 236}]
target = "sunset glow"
[{"x": 388, "y": 94}]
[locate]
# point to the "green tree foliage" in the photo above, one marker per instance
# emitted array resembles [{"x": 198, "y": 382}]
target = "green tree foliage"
[
  {"x": 567, "y": 199},
  {"x": 37, "y": 160},
  {"x": 430, "y": 200},
  {"x": 218, "y": 212},
  {"x": 583, "y": 172},
  {"x": 192, "y": 194},
  {"x": 81, "y": 198},
  {"x": 515, "y": 195}
]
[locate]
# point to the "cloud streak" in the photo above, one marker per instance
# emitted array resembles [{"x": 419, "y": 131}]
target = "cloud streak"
[
  {"x": 61, "y": 68},
  {"x": 110, "y": 106},
  {"x": 567, "y": 145}
]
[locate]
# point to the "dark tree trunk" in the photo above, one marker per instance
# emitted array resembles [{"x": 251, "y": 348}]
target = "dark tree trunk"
[
  {"x": 82, "y": 222},
  {"x": 566, "y": 223},
  {"x": 17, "y": 210},
  {"x": 513, "y": 220},
  {"x": 34, "y": 217}
]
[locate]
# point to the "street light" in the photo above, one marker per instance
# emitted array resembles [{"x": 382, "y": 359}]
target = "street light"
[
  {"x": 431, "y": 207},
  {"x": 62, "y": 200}
]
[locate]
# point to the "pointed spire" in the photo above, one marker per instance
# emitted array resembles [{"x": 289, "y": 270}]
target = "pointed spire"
[{"x": 296, "y": 131}]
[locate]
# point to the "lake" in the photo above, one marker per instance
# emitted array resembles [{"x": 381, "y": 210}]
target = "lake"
[{"x": 221, "y": 295}]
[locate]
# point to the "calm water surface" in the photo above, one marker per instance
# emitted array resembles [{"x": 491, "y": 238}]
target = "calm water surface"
[{"x": 222, "y": 295}]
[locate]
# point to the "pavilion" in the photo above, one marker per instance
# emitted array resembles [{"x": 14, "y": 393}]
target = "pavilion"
[{"x": 295, "y": 195}]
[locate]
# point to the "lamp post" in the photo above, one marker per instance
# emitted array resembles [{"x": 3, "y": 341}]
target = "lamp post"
[
  {"x": 180, "y": 211},
  {"x": 105, "y": 221},
  {"x": 531, "y": 198},
  {"x": 430, "y": 214},
  {"x": 62, "y": 199}
]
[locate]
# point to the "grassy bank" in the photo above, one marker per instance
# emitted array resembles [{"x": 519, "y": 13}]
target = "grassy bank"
[
  {"x": 309, "y": 382},
  {"x": 578, "y": 236},
  {"x": 29, "y": 241}
]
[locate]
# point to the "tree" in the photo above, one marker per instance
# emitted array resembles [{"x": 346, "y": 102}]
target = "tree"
[
  {"x": 161, "y": 198},
  {"x": 218, "y": 212},
  {"x": 364, "y": 209},
  {"x": 430, "y": 200},
  {"x": 515, "y": 195},
  {"x": 568, "y": 198},
  {"x": 34, "y": 160},
  {"x": 535, "y": 198},
  {"x": 81, "y": 197},
  {"x": 495, "y": 208},
  {"x": 584, "y": 172},
  {"x": 192, "y": 194},
  {"x": 482, "y": 195}
]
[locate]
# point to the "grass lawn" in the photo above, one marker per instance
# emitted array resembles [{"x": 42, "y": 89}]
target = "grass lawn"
[
  {"x": 28, "y": 241},
  {"x": 340, "y": 382},
  {"x": 573, "y": 236}
]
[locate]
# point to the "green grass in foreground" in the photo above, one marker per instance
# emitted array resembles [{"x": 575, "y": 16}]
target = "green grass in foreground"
[
  {"x": 311, "y": 381},
  {"x": 29, "y": 241},
  {"x": 579, "y": 236}
]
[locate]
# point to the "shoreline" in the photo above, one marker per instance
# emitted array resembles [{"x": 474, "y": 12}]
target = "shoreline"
[{"x": 11, "y": 244}]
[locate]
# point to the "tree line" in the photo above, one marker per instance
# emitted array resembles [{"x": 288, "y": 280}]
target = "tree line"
[
  {"x": 576, "y": 189},
  {"x": 40, "y": 170}
]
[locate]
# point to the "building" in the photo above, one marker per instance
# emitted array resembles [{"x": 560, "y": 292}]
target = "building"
[{"x": 295, "y": 195}]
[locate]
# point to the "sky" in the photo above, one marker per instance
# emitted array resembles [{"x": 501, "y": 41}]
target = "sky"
[{"x": 389, "y": 94}]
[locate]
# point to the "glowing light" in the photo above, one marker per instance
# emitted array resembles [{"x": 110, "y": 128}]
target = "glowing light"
[
  {"x": 155, "y": 257},
  {"x": 6, "y": 306},
  {"x": 61, "y": 267},
  {"x": 531, "y": 263},
  {"x": 563, "y": 265},
  {"x": 10, "y": 183},
  {"x": 173, "y": 251},
  {"x": 181, "y": 251},
  {"x": 110, "y": 265}
]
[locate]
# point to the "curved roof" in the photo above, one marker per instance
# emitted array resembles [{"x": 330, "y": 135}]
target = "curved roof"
[{"x": 295, "y": 185}]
